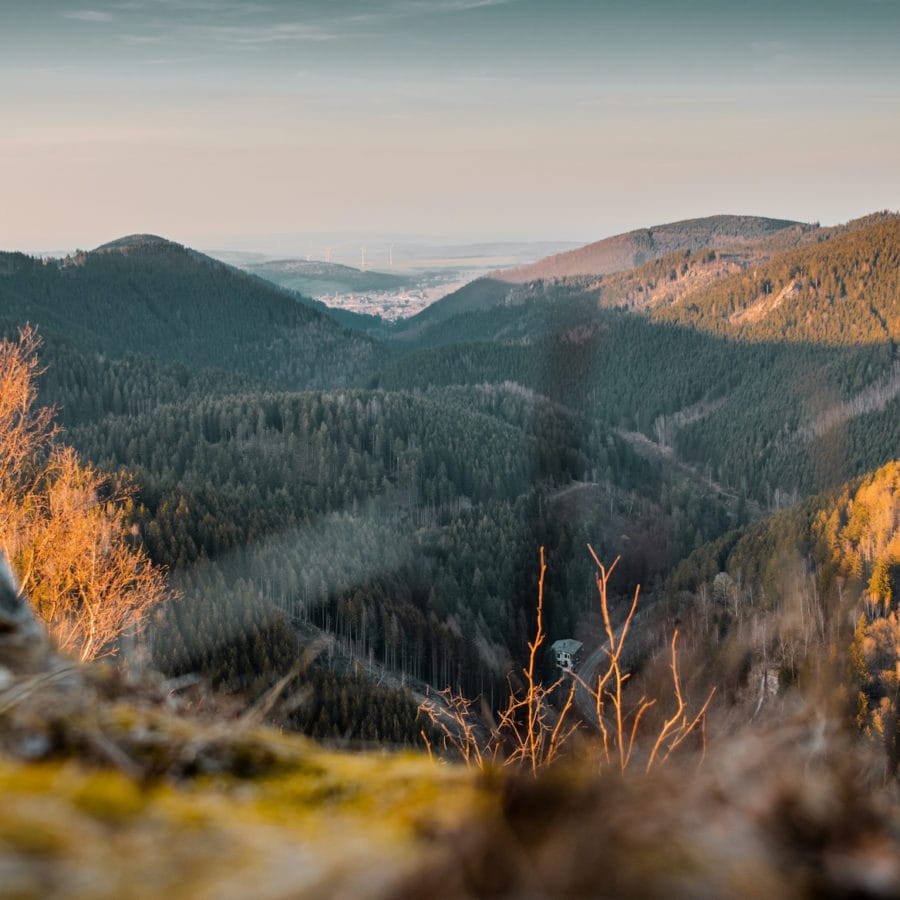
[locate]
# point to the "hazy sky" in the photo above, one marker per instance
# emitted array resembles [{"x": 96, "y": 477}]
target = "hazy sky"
[{"x": 224, "y": 121}]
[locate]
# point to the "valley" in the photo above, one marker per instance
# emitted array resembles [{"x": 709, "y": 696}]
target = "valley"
[
  {"x": 349, "y": 512},
  {"x": 392, "y": 489},
  {"x": 423, "y": 273}
]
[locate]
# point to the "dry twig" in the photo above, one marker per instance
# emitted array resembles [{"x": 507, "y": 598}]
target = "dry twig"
[{"x": 529, "y": 732}]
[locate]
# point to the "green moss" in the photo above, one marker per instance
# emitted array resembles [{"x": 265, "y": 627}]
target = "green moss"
[
  {"x": 123, "y": 716},
  {"x": 109, "y": 797}
]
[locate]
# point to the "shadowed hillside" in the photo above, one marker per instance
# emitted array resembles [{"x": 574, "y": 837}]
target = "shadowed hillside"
[{"x": 143, "y": 294}]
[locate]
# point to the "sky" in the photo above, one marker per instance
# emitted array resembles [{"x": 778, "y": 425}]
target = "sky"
[{"x": 236, "y": 123}]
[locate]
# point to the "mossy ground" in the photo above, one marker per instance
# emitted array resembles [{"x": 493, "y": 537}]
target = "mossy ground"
[
  {"x": 330, "y": 823},
  {"x": 113, "y": 791}
]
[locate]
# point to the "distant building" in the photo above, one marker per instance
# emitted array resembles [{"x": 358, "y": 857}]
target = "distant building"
[{"x": 567, "y": 652}]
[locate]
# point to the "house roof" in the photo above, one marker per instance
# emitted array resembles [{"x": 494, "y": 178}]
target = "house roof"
[{"x": 566, "y": 645}]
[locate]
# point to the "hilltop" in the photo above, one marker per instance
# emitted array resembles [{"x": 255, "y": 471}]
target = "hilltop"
[
  {"x": 142, "y": 294},
  {"x": 625, "y": 251},
  {"x": 132, "y": 242}
]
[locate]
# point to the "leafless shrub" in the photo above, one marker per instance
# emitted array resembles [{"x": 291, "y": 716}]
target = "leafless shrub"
[{"x": 531, "y": 732}]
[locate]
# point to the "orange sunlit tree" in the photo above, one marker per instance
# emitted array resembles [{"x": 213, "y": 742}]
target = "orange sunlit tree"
[{"x": 62, "y": 523}]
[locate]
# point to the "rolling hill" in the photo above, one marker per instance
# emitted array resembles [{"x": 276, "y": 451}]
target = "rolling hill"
[
  {"x": 549, "y": 413},
  {"x": 773, "y": 364},
  {"x": 842, "y": 291},
  {"x": 625, "y": 251},
  {"x": 146, "y": 295},
  {"x": 315, "y": 278},
  {"x": 659, "y": 248}
]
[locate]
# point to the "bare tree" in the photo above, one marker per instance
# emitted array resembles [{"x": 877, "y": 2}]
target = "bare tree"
[
  {"x": 25, "y": 430},
  {"x": 63, "y": 525}
]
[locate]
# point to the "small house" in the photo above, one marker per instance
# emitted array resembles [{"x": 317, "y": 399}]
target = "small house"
[{"x": 567, "y": 652}]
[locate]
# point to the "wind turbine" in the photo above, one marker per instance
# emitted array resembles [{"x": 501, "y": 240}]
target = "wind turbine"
[
  {"x": 362, "y": 256},
  {"x": 391, "y": 257}
]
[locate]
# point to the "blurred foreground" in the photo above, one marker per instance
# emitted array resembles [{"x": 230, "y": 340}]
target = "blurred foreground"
[{"x": 113, "y": 788}]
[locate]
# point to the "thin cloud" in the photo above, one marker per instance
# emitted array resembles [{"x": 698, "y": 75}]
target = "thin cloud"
[
  {"x": 218, "y": 7},
  {"x": 242, "y": 24},
  {"x": 231, "y": 35},
  {"x": 401, "y": 9},
  {"x": 277, "y": 33},
  {"x": 448, "y": 6},
  {"x": 88, "y": 15},
  {"x": 227, "y": 23}
]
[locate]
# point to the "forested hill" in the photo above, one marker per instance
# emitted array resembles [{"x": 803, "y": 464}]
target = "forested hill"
[
  {"x": 618, "y": 254},
  {"x": 315, "y": 277},
  {"x": 403, "y": 523},
  {"x": 302, "y": 482},
  {"x": 146, "y": 295},
  {"x": 625, "y": 251},
  {"x": 843, "y": 291},
  {"x": 820, "y": 579},
  {"x": 774, "y": 369}
]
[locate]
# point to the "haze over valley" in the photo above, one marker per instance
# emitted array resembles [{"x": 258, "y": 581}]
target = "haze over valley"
[{"x": 389, "y": 279}]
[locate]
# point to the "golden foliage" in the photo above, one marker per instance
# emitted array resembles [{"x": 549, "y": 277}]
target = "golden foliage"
[
  {"x": 62, "y": 524},
  {"x": 862, "y": 532},
  {"x": 24, "y": 430}
]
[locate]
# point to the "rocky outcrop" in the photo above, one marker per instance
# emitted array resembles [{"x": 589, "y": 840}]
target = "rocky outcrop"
[{"x": 24, "y": 648}]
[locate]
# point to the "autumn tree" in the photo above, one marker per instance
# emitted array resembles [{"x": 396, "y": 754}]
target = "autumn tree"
[
  {"x": 25, "y": 431},
  {"x": 62, "y": 523}
]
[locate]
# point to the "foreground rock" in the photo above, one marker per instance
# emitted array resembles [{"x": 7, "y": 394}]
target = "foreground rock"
[
  {"x": 111, "y": 788},
  {"x": 115, "y": 793}
]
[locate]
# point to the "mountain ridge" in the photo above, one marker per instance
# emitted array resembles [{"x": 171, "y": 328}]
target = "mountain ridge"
[
  {"x": 615, "y": 255},
  {"x": 629, "y": 249},
  {"x": 841, "y": 290},
  {"x": 664, "y": 287}
]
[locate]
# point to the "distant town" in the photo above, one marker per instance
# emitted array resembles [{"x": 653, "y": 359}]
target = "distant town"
[{"x": 390, "y": 305}]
